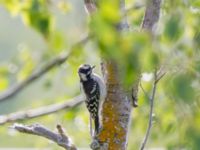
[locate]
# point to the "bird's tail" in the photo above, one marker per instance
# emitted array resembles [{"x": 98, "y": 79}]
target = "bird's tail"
[{"x": 96, "y": 125}]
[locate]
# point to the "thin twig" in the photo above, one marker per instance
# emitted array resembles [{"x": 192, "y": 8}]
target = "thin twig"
[
  {"x": 36, "y": 129},
  {"x": 143, "y": 90},
  {"x": 160, "y": 76},
  {"x": 151, "y": 99},
  {"x": 90, "y": 6},
  {"x": 33, "y": 113},
  {"x": 161, "y": 73},
  {"x": 157, "y": 77},
  {"x": 13, "y": 90}
]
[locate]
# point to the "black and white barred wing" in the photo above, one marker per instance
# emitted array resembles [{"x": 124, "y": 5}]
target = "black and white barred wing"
[{"x": 92, "y": 101}]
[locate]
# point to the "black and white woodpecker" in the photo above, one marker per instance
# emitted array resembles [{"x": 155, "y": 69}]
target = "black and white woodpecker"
[{"x": 95, "y": 91}]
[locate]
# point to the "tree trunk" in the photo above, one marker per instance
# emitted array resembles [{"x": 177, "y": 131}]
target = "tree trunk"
[
  {"x": 117, "y": 106},
  {"x": 116, "y": 112}
]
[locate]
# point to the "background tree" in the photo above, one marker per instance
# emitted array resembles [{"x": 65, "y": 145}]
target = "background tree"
[{"x": 171, "y": 45}]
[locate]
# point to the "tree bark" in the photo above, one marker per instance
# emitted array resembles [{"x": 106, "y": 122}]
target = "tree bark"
[
  {"x": 152, "y": 14},
  {"x": 117, "y": 107},
  {"x": 116, "y": 112}
]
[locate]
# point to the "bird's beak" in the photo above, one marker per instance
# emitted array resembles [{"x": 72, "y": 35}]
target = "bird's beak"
[{"x": 93, "y": 67}]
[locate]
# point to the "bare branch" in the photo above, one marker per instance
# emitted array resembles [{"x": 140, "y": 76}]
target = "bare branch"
[
  {"x": 151, "y": 17},
  {"x": 33, "y": 113},
  {"x": 12, "y": 91},
  {"x": 160, "y": 76},
  {"x": 36, "y": 129},
  {"x": 151, "y": 99},
  {"x": 90, "y": 6},
  {"x": 152, "y": 14},
  {"x": 123, "y": 24}
]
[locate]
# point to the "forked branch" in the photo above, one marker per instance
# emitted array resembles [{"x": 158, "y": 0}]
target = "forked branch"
[
  {"x": 58, "y": 137},
  {"x": 151, "y": 17},
  {"x": 157, "y": 77}
]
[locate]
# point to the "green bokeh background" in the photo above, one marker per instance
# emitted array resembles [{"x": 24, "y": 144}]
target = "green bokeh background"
[{"x": 33, "y": 32}]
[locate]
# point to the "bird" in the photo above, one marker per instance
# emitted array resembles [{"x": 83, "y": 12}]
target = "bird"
[{"x": 94, "y": 90}]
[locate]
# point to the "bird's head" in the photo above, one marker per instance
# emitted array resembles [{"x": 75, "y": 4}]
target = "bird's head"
[{"x": 85, "y": 71}]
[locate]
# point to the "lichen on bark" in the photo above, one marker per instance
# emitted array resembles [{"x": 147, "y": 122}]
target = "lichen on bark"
[{"x": 116, "y": 112}]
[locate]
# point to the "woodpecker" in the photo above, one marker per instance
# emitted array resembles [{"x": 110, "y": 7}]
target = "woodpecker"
[{"x": 95, "y": 91}]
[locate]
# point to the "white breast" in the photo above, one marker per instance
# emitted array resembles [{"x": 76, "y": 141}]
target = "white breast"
[{"x": 83, "y": 76}]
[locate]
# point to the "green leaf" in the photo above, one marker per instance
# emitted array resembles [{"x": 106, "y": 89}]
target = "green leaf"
[
  {"x": 64, "y": 6},
  {"x": 197, "y": 38},
  {"x": 181, "y": 88},
  {"x": 114, "y": 13},
  {"x": 196, "y": 3},
  {"x": 105, "y": 33},
  {"x": 56, "y": 41},
  {"x": 149, "y": 60},
  {"x": 174, "y": 28},
  {"x": 197, "y": 66},
  {"x": 12, "y": 5},
  {"x": 3, "y": 83},
  {"x": 37, "y": 15}
]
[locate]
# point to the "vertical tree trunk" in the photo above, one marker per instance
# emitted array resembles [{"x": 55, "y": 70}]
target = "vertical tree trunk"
[
  {"x": 116, "y": 112},
  {"x": 117, "y": 107}
]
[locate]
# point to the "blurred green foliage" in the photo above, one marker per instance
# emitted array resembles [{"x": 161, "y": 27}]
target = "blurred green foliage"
[
  {"x": 60, "y": 23},
  {"x": 34, "y": 13}
]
